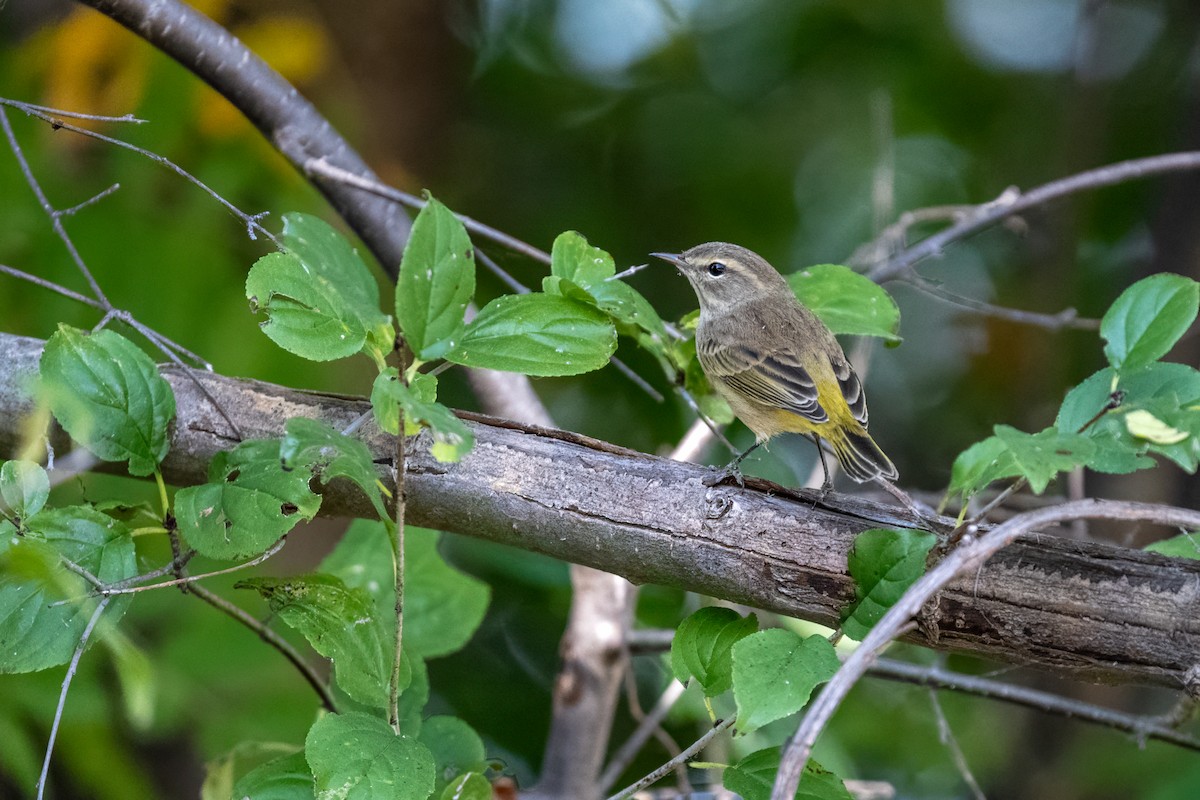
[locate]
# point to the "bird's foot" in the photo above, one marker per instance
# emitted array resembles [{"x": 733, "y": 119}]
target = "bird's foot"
[{"x": 732, "y": 471}]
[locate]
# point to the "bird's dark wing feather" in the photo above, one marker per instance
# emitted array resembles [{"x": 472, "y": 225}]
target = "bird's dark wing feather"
[
  {"x": 773, "y": 379},
  {"x": 852, "y": 389}
]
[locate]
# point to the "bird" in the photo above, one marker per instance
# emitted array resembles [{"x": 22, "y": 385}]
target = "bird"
[{"x": 777, "y": 365}]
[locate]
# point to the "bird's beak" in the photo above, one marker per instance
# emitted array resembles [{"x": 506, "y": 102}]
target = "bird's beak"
[{"x": 673, "y": 258}]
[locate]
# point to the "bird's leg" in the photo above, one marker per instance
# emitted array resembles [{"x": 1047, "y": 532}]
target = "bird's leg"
[
  {"x": 827, "y": 484},
  {"x": 732, "y": 470}
]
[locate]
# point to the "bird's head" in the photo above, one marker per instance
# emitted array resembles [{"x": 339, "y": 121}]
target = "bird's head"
[{"x": 724, "y": 274}]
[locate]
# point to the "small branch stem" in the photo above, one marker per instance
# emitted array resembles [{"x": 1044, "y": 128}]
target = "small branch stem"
[
  {"x": 272, "y": 638},
  {"x": 682, "y": 758},
  {"x": 62, "y": 695},
  {"x": 963, "y": 559}
]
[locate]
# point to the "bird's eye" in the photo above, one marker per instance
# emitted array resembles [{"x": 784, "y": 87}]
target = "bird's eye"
[{"x": 716, "y": 269}]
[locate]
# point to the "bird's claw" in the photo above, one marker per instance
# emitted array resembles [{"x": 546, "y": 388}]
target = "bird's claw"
[{"x": 717, "y": 477}]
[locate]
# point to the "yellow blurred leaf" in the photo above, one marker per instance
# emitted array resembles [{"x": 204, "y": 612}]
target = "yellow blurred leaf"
[{"x": 1144, "y": 425}]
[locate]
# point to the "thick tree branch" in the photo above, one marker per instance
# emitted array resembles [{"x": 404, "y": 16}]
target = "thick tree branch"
[
  {"x": 289, "y": 121},
  {"x": 1090, "y": 610}
]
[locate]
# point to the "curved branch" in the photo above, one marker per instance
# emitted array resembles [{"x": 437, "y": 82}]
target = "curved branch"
[
  {"x": 289, "y": 121},
  {"x": 1012, "y": 202},
  {"x": 968, "y": 557}
]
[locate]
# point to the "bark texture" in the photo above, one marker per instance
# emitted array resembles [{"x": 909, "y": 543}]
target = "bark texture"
[{"x": 1089, "y": 610}]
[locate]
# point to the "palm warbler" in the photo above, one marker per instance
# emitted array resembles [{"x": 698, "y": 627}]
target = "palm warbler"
[{"x": 779, "y": 367}]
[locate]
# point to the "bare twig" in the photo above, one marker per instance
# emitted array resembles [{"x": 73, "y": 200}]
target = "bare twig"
[
  {"x": 253, "y": 228},
  {"x": 946, "y": 735},
  {"x": 321, "y": 168},
  {"x": 54, "y": 214},
  {"x": 62, "y": 695},
  {"x": 126, "y": 587},
  {"x": 58, "y": 112},
  {"x": 628, "y": 751},
  {"x": 398, "y": 560},
  {"x": 289, "y": 121},
  {"x": 934, "y": 676},
  {"x": 270, "y": 637},
  {"x": 968, "y": 556},
  {"x": 682, "y": 758},
  {"x": 1067, "y": 318},
  {"x": 1012, "y": 202}
]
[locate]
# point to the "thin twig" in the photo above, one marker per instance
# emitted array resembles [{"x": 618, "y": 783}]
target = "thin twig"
[
  {"x": 62, "y": 695},
  {"x": 58, "y": 112},
  {"x": 946, "y": 735},
  {"x": 251, "y": 221},
  {"x": 272, "y": 638},
  {"x": 933, "y": 676},
  {"x": 321, "y": 168},
  {"x": 190, "y": 579},
  {"x": 1012, "y": 202},
  {"x": 54, "y": 287},
  {"x": 1067, "y": 318},
  {"x": 969, "y": 556},
  {"x": 96, "y": 198},
  {"x": 500, "y": 272},
  {"x": 682, "y": 758},
  {"x": 54, "y": 215},
  {"x": 625, "y": 754},
  {"x": 398, "y": 559}
]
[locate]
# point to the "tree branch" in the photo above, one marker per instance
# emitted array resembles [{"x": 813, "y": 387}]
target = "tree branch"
[
  {"x": 1089, "y": 610},
  {"x": 1012, "y": 202},
  {"x": 289, "y": 121},
  {"x": 970, "y": 558}
]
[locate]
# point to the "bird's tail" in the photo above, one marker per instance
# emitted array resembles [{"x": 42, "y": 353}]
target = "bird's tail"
[{"x": 861, "y": 458}]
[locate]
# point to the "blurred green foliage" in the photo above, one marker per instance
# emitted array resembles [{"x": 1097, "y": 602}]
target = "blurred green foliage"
[{"x": 798, "y": 129}]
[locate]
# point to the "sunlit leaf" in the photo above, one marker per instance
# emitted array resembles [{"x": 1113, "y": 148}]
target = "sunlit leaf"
[
  {"x": 356, "y": 756},
  {"x": 437, "y": 281},
  {"x": 109, "y": 396}
]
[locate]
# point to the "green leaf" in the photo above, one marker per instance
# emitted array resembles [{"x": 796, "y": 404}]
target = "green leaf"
[
  {"x": 330, "y": 256},
  {"x": 1185, "y": 545},
  {"x": 452, "y": 439},
  {"x": 24, "y": 487},
  {"x": 305, "y": 314},
  {"x": 442, "y": 606},
  {"x": 284, "y": 778},
  {"x": 754, "y": 776},
  {"x": 775, "y": 672},
  {"x": 1148, "y": 318},
  {"x": 437, "y": 281},
  {"x": 537, "y": 334},
  {"x": 455, "y": 746},
  {"x": 468, "y": 786},
  {"x": 340, "y": 623},
  {"x": 250, "y": 502},
  {"x": 109, "y": 396},
  {"x": 703, "y": 644},
  {"x": 313, "y": 445},
  {"x": 884, "y": 562},
  {"x": 1116, "y": 451},
  {"x": 582, "y": 272},
  {"x": 322, "y": 302},
  {"x": 358, "y": 757},
  {"x": 847, "y": 302},
  {"x": 1041, "y": 456},
  {"x": 573, "y": 258},
  {"x": 36, "y": 630},
  {"x": 979, "y": 465}
]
